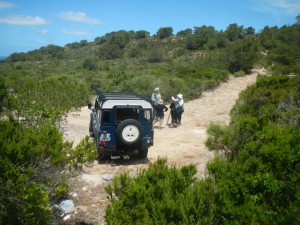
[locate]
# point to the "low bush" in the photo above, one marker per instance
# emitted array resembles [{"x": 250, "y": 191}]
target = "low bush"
[
  {"x": 35, "y": 162},
  {"x": 216, "y": 134},
  {"x": 160, "y": 195},
  {"x": 256, "y": 182}
]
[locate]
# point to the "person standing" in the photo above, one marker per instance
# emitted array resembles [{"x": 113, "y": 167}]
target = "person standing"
[
  {"x": 160, "y": 112},
  {"x": 173, "y": 112},
  {"x": 155, "y": 97},
  {"x": 179, "y": 108}
]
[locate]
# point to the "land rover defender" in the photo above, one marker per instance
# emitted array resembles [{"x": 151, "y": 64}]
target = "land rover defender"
[{"x": 121, "y": 124}]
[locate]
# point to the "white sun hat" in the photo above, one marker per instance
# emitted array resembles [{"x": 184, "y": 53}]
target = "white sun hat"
[{"x": 180, "y": 96}]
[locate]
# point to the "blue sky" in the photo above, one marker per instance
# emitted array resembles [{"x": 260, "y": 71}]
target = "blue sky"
[{"x": 31, "y": 24}]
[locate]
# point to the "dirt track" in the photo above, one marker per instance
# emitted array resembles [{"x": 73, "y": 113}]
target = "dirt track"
[{"x": 182, "y": 145}]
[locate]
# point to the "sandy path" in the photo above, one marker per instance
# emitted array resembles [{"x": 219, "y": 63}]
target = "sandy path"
[{"x": 182, "y": 145}]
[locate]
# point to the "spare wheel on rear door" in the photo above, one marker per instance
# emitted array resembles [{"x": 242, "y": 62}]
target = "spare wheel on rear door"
[{"x": 129, "y": 132}]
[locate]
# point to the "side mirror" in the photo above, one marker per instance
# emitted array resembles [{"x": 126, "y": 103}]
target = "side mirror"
[{"x": 90, "y": 106}]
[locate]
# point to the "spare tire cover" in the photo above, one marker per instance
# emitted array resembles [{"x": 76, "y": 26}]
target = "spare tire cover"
[{"x": 129, "y": 132}]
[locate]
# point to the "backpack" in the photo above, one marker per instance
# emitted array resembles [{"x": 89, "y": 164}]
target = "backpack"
[{"x": 178, "y": 108}]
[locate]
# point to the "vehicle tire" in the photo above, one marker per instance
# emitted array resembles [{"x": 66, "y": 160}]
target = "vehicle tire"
[
  {"x": 143, "y": 152},
  {"x": 129, "y": 132}
]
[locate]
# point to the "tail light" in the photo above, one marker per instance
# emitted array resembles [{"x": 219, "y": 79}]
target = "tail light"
[{"x": 103, "y": 143}]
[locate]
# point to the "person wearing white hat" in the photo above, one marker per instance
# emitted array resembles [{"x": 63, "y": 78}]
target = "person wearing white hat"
[
  {"x": 160, "y": 112},
  {"x": 155, "y": 97},
  {"x": 173, "y": 112},
  {"x": 180, "y": 108}
]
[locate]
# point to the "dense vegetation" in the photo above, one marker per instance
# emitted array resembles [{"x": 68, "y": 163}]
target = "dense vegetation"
[
  {"x": 35, "y": 162},
  {"x": 256, "y": 180},
  {"x": 189, "y": 62}
]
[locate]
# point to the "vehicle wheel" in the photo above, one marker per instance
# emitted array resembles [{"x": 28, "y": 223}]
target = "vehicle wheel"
[
  {"x": 129, "y": 132},
  {"x": 143, "y": 152}
]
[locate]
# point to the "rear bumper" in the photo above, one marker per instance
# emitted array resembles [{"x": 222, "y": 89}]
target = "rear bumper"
[{"x": 114, "y": 148}]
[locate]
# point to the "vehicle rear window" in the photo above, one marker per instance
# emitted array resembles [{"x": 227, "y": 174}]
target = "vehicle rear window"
[
  {"x": 127, "y": 113},
  {"x": 147, "y": 115}
]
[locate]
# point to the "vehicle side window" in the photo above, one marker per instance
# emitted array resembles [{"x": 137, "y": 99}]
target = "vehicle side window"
[
  {"x": 99, "y": 114},
  {"x": 147, "y": 115},
  {"x": 106, "y": 116}
]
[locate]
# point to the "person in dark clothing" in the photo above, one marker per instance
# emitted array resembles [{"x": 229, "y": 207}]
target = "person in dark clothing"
[
  {"x": 179, "y": 108},
  {"x": 160, "y": 113},
  {"x": 174, "y": 115}
]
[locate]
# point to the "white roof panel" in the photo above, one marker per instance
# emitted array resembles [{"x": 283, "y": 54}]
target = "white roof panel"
[{"x": 108, "y": 104}]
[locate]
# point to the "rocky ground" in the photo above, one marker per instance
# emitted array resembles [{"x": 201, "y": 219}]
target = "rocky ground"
[{"x": 182, "y": 145}]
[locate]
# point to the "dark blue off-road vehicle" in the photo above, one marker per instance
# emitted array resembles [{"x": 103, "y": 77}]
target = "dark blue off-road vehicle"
[{"x": 121, "y": 124}]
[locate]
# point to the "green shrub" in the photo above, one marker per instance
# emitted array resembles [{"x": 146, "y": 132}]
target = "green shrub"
[
  {"x": 34, "y": 205},
  {"x": 110, "y": 51},
  {"x": 258, "y": 183},
  {"x": 240, "y": 73},
  {"x": 215, "y": 139},
  {"x": 84, "y": 152},
  {"x": 32, "y": 163},
  {"x": 35, "y": 162},
  {"x": 89, "y": 64},
  {"x": 155, "y": 56},
  {"x": 52, "y": 95},
  {"x": 158, "y": 195}
]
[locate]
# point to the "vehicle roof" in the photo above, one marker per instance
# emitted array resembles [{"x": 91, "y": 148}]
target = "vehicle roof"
[
  {"x": 119, "y": 95},
  {"x": 109, "y": 104},
  {"x": 110, "y": 99}
]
